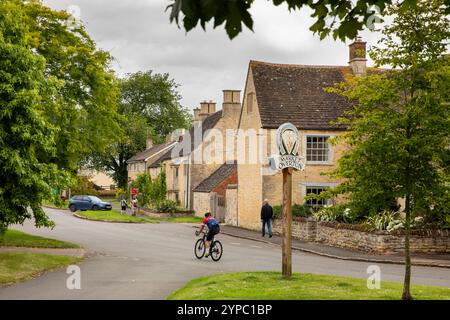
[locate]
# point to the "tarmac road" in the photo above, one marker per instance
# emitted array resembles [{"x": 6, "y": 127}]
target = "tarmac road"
[{"x": 149, "y": 261}]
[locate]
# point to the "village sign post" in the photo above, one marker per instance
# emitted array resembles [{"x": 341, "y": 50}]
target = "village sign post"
[{"x": 287, "y": 160}]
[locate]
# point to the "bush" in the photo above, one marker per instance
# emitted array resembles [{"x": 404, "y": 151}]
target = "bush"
[
  {"x": 385, "y": 220},
  {"x": 120, "y": 194},
  {"x": 167, "y": 206},
  {"x": 83, "y": 185},
  {"x": 298, "y": 210},
  {"x": 338, "y": 213}
]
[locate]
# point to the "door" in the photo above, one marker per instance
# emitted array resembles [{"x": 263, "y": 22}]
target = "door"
[{"x": 218, "y": 206}]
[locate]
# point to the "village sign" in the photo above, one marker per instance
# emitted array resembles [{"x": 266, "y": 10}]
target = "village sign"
[{"x": 287, "y": 142}]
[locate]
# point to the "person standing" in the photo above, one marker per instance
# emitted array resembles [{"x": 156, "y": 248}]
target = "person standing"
[
  {"x": 123, "y": 206},
  {"x": 266, "y": 215},
  {"x": 134, "y": 204}
]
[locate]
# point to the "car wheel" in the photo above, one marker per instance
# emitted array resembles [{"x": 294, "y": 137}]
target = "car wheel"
[
  {"x": 72, "y": 208},
  {"x": 95, "y": 208}
]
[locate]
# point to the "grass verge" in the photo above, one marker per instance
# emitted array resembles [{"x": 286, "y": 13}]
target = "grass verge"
[
  {"x": 302, "y": 286},
  {"x": 14, "y": 238},
  {"x": 20, "y": 266},
  {"x": 115, "y": 216}
]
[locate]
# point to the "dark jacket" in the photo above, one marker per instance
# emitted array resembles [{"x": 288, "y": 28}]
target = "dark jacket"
[{"x": 266, "y": 212}]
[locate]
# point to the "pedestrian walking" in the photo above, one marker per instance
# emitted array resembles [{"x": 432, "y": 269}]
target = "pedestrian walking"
[
  {"x": 266, "y": 215},
  {"x": 134, "y": 204},
  {"x": 123, "y": 206}
]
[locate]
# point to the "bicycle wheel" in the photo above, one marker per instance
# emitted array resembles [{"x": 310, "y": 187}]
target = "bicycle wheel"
[
  {"x": 199, "y": 249},
  {"x": 216, "y": 250}
]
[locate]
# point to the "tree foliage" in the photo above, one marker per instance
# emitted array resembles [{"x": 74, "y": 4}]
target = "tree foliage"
[
  {"x": 149, "y": 105},
  {"x": 341, "y": 18},
  {"x": 399, "y": 128},
  {"x": 86, "y": 101},
  {"x": 27, "y": 139},
  {"x": 151, "y": 192}
]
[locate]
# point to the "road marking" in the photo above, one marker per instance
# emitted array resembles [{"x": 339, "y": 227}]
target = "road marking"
[
  {"x": 236, "y": 243},
  {"x": 256, "y": 247}
]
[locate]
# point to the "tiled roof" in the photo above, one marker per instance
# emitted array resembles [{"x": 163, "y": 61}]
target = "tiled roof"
[
  {"x": 207, "y": 124},
  {"x": 295, "y": 93},
  {"x": 141, "y": 156},
  {"x": 218, "y": 176}
]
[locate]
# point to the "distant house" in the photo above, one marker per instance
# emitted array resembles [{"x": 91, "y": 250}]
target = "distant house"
[
  {"x": 195, "y": 157},
  {"x": 140, "y": 162}
]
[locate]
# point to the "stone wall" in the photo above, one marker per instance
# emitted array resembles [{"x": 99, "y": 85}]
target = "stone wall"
[
  {"x": 379, "y": 242},
  {"x": 231, "y": 217},
  {"x": 202, "y": 203}
]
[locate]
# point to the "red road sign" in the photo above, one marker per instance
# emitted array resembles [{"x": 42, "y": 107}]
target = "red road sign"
[{"x": 134, "y": 191}]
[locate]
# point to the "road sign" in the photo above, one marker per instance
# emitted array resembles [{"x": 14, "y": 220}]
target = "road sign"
[{"x": 134, "y": 191}]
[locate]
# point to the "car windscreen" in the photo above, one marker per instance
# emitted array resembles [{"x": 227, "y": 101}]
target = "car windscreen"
[{"x": 95, "y": 199}]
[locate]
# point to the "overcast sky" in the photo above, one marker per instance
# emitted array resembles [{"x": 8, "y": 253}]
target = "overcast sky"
[{"x": 138, "y": 34}]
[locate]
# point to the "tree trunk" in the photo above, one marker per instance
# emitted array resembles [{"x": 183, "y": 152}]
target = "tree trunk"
[{"x": 407, "y": 281}]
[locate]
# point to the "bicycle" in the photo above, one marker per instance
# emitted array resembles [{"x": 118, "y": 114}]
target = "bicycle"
[{"x": 216, "y": 248}]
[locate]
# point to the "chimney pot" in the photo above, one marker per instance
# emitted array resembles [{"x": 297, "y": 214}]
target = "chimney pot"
[{"x": 357, "y": 55}]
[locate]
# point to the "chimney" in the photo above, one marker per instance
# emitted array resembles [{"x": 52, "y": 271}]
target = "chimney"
[
  {"x": 197, "y": 114},
  {"x": 206, "y": 108},
  {"x": 357, "y": 52},
  {"x": 148, "y": 143},
  {"x": 231, "y": 106}
]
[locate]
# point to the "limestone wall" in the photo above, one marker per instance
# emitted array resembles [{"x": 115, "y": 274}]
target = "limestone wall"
[{"x": 379, "y": 242}]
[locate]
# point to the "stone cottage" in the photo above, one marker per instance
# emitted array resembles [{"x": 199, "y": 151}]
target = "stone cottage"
[{"x": 278, "y": 93}]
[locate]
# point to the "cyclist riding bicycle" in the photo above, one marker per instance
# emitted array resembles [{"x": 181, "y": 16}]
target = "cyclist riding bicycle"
[{"x": 213, "y": 229}]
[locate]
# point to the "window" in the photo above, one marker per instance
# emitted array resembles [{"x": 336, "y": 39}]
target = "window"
[
  {"x": 250, "y": 102},
  {"x": 176, "y": 172},
  {"x": 317, "y": 149},
  {"x": 314, "y": 203}
]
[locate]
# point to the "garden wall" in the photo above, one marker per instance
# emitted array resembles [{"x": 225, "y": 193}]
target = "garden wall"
[{"x": 352, "y": 237}]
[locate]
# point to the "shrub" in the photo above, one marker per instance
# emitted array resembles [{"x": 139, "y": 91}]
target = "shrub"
[
  {"x": 298, "y": 210},
  {"x": 385, "y": 220},
  {"x": 167, "y": 206},
  {"x": 338, "y": 213},
  {"x": 120, "y": 194}
]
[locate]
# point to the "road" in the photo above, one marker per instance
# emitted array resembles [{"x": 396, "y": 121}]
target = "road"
[{"x": 149, "y": 261}]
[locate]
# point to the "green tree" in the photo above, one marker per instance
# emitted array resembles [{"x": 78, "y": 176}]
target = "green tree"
[
  {"x": 27, "y": 139},
  {"x": 149, "y": 105},
  {"x": 399, "y": 129},
  {"x": 342, "y": 18},
  {"x": 86, "y": 102},
  {"x": 155, "y": 97}
]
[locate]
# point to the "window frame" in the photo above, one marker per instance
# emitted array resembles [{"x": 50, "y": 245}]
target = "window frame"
[
  {"x": 305, "y": 149},
  {"x": 326, "y": 202}
]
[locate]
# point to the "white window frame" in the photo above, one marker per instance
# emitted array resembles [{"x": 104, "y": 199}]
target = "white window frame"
[
  {"x": 330, "y": 149},
  {"x": 324, "y": 185}
]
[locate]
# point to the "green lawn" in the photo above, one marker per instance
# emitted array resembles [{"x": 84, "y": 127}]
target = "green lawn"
[
  {"x": 114, "y": 215},
  {"x": 21, "y": 266},
  {"x": 302, "y": 286},
  {"x": 50, "y": 204},
  {"x": 14, "y": 238}
]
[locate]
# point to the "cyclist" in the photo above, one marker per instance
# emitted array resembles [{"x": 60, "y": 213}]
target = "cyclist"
[{"x": 213, "y": 229}]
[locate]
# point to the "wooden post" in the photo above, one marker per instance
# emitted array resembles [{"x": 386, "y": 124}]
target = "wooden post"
[{"x": 287, "y": 223}]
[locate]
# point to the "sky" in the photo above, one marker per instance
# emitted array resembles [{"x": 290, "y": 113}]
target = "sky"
[{"x": 140, "y": 37}]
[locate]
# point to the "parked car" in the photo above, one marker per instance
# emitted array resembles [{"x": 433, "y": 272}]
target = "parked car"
[{"x": 88, "y": 203}]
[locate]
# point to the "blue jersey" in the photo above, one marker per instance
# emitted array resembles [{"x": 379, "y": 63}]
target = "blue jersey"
[{"x": 210, "y": 222}]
